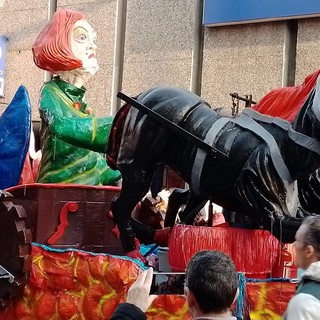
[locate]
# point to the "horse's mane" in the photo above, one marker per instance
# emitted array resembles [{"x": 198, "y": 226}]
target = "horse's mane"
[{"x": 286, "y": 102}]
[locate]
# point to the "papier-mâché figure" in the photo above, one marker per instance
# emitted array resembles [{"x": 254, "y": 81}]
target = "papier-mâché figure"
[{"x": 72, "y": 138}]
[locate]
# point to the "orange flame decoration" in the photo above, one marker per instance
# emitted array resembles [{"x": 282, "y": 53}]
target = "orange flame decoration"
[
  {"x": 81, "y": 286},
  {"x": 268, "y": 300}
]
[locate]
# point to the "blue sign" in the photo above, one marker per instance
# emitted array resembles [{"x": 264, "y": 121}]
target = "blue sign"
[
  {"x": 227, "y": 12},
  {"x": 3, "y": 50}
]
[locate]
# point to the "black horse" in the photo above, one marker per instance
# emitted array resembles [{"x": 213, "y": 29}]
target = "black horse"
[{"x": 252, "y": 169}]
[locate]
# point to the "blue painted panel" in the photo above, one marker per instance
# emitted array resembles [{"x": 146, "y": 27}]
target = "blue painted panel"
[
  {"x": 223, "y": 12},
  {"x": 15, "y": 128}
]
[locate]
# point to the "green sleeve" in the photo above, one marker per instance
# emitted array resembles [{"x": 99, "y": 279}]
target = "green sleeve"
[{"x": 73, "y": 126}]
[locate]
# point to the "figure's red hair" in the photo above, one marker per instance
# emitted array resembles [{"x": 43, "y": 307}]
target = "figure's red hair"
[{"x": 52, "y": 48}]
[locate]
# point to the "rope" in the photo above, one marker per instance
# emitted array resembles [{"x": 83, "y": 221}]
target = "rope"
[{"x": 242, "y": 304}]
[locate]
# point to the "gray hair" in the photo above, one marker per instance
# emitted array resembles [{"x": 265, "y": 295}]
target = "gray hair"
[{"x": 312, "y": 235}]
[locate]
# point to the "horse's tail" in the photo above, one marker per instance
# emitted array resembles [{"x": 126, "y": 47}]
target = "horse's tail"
[{"x": 116, "y": 135}]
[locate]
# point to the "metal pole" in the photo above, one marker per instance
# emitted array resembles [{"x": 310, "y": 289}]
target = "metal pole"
[
  {"x": 197, "y": 49},
  {"x": 121, "y": 16},
  {"x": 289, "y": 53},
  {"x": 52, "y": 8}
]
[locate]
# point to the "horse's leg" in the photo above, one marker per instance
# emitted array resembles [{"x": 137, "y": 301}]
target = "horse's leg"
[
  {"x": 146, "y": 234},
  {"x": 264, "y": 197},
  {"x": 176, "y": 199},
  {"x": 135, "y": 185},
  {"x": 194, "y": 205},
  {"x": 143, "y": 232}
]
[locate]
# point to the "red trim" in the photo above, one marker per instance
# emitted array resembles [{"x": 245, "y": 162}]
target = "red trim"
[{"x": 68, "y": 207}]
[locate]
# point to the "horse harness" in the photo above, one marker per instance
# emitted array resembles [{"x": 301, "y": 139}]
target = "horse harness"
[{"x": 248, "y": 120}]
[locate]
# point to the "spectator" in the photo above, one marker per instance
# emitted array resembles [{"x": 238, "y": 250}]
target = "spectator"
[
  {"x": 305, "y": 304},
  {"x": 138, "y": 299},
  {"x": 211, "y": 287}
]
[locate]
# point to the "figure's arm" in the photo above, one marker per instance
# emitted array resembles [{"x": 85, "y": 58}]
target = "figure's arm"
[{"x": 85, "y": 132}]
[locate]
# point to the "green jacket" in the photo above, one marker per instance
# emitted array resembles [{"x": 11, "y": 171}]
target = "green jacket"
[
  {"x": 72, "y": 139},
  {"x": 309, "y": 286}
]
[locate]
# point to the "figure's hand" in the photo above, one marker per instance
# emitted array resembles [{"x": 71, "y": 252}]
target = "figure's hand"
[{"x": 138, "y": 294}]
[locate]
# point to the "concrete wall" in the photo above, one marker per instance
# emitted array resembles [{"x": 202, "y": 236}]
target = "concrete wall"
[
  {"x": 308, "y": 48},
  {"x": 158, "y": 44},
  {"x": 245, "y": 58},
  {"x": 20, "y": 22},
  {"x": 158, "y": 50}
]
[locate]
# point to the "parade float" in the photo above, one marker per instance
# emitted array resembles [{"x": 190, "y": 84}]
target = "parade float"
[
  {"x": 75, "y": 268},
  {"x": 70, "y": 244}
]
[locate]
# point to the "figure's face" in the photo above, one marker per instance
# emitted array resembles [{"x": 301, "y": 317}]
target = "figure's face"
[{"x": 83, "y": 45}]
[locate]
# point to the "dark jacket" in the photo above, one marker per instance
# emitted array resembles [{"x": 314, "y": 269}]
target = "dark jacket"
[{"x": 128, "y": 311}]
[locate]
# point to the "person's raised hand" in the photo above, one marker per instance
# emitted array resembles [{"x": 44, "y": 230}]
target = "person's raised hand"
[{"x": 139, "y": 292}]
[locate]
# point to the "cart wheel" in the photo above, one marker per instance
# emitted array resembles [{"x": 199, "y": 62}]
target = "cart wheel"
[{"x": 15, "y": 249}]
